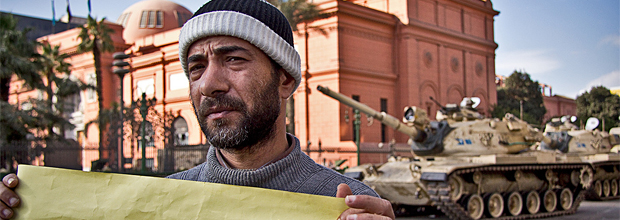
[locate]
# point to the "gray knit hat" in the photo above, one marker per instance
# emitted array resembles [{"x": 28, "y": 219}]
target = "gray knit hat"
[{"x": 255, "y": 21}]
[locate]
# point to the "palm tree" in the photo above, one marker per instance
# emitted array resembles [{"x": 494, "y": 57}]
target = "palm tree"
[
  {"x": 53, "y": 63},
  {"x": 95, "y": 37},
  {"x": 17, "y": 54},
  {"x": 301, "y": 12}
]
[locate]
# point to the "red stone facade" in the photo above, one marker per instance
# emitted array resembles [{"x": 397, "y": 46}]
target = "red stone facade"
[
  {"x": 389, "y": 54},
  {"x": 401, "y": 52},
  {"x": 558, "y": 106}
]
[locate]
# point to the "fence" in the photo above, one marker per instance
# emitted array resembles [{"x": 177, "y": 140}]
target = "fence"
[{"x": 69, "y": 154}]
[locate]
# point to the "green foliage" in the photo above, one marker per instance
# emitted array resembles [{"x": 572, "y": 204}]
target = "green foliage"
[
  {"x": 95, "y": 37},
  {"x": 17, "y": 56},
  {"x": 95, "y": 34},
  {"x": 300, "y": 11},
  {"x": 599, "y": 103},
  {"x": 59, "y": 88},
  {"x": 520, "y": 87}
]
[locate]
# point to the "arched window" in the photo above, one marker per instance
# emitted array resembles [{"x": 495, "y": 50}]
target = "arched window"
[{"x": 181, "y": 135}]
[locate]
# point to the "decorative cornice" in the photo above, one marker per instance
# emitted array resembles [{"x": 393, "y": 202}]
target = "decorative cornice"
[{"x": 364, "y": 34}]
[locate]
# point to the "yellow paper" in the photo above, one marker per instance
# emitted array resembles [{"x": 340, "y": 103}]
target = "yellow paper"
[{"x": 52, "y": 193}]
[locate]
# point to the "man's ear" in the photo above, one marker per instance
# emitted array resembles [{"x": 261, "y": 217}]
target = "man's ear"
[{"x": 287, "y": 84}]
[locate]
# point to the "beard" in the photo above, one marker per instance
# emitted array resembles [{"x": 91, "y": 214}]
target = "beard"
[{"x": 251, "y": 128}]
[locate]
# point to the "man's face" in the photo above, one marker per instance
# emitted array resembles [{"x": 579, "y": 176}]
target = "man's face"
[{"x": 234, "y": 91}]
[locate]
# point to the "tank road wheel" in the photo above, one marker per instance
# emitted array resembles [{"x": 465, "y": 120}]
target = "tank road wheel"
[
  {"x": 456, "y": 188},
  {"x": 475, "y": 206},
  {"x": 613, "y": 187},
  {"x": 532, "y": 202},
  {"x": 566, "y": 198},
  {"x": 598, "y": 188},
  {"x": 495, "y": 205},
  {"x": 606, "y": 188},
  {"x": 514, "y": 203},
  {"x": 550, "y": 201}
]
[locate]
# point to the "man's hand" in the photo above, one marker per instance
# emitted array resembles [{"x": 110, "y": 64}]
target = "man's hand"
[
  {"x": 7, "y": 196},
  {"x": 363, "y": 206}
]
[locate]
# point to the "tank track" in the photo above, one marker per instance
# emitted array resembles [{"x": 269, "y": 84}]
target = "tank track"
[
  {"x": 439, "y": 193},
  {"x": 591, "y": 194}
]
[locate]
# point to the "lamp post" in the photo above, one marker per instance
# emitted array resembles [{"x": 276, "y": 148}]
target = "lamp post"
[
  {"x": 119, "y": 62},
  {"x": 144, "y": 110},
  {"x": 356, "y": 129}
]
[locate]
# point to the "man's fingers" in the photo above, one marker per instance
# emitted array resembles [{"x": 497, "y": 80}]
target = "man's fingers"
[
  {"x": 367, "y": 216},
  {"x": 343, "y": 191},
  {"x": 5, "y": 212},
  {"x": 370, "y": 204},
  {"x": 10, "y": 180},
  {"x": 8, "y": 197}
]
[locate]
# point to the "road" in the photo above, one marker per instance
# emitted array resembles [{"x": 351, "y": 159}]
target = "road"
[{"x": 595, "y": 210}]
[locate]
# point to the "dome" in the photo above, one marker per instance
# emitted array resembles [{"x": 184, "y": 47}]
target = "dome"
[{"x": 151, "y": 17}]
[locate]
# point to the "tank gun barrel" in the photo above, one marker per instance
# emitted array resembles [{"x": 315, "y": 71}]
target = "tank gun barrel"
[
  {"x": 437, "y": 102},
  {"x": 381, "y": 116}
]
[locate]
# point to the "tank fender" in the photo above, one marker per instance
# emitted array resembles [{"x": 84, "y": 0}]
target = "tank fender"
[{"x": 434, "y": 176}]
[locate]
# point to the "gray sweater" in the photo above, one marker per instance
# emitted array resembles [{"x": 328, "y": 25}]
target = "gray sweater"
[{"x": 294, "y": 173}]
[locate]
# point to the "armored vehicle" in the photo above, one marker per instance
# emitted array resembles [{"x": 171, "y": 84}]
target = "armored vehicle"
[
  {"x": 594, "y": 147},
  {"x": 475, "y": 168}
]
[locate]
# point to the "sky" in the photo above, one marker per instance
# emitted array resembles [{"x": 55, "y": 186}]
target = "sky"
[{"x": 570, "y": 45}]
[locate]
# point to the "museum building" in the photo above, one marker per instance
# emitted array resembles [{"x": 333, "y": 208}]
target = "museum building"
[{"x": 386, "y": 54}]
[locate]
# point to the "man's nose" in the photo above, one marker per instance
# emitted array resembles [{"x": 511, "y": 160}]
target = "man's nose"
[{"x": 214, "y": 81}]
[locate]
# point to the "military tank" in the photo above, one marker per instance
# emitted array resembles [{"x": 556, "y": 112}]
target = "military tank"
[
  {"x": 594, "y": 147},
  {"x": 474, "y": 168}
]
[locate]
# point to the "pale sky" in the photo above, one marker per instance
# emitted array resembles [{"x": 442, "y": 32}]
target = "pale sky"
[{"x": 570, "y": 45}]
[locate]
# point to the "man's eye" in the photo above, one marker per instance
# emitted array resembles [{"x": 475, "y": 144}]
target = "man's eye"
[
  {"x": 231, "y": 59},
  {"x": 195, "y": 69}
]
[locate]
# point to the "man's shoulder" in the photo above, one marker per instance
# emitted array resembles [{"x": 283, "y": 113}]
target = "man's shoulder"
[
  {"x": 191, "y": 174},
  {"x": 328, "y": 179}
]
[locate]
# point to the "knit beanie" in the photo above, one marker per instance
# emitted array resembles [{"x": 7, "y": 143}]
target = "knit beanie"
[{"x": 255, "y": 21}]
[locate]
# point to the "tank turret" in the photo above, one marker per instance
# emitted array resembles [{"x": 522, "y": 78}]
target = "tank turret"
[
  {"x": 473, "y": 167},
  {"x": 592, "y": 146},
  {"x": 459, "y": 133}
]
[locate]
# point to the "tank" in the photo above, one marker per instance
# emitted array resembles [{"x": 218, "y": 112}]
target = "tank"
[
  {"x": 594, "y": 147},
  {"x": 474, "y": 167}
]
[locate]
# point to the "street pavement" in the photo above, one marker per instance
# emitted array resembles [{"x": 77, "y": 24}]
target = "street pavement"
[{"x": 588, "y": 210}]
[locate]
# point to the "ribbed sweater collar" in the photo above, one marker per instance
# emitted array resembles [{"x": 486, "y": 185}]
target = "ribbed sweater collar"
[{"x": 285, "y": 174}]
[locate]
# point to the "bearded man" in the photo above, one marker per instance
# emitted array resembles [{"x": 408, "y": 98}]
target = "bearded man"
[{"x": 242, "y": 66}]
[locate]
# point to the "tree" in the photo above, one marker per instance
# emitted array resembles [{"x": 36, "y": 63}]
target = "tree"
[
  {"x": 300, "y": 12},
  {"x": 95, "y": 37},
  {"x": 520, "y": 91},
  {"x": 17, "y": 54},
  {"x": 53, "y": 64},
  {"x": 599, "y": 103}
]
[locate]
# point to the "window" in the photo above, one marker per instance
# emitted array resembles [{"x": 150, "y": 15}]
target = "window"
[
  {"x": 181, "y": 135},
  {"x": 182, "y": 17},
  {"x": 383, "y": 127},
  {"x": 122, "y": 20},
  {"x": 152, "y": 19},
  {"x": 91, "y": 94},
  {"x": 178, "y": 81},
  {"x": 73, "y": 103},
  {"x": 160, "y": 19},
  {"x": 144, "y": 19},
  {"x": 145, "y": 86}
]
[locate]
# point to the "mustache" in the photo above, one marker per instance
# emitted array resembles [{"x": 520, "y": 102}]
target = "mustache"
[{"x": 221, "y": 101}]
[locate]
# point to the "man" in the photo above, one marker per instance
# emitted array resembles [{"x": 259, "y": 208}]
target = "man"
[{"x": 241, "y": 63}]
